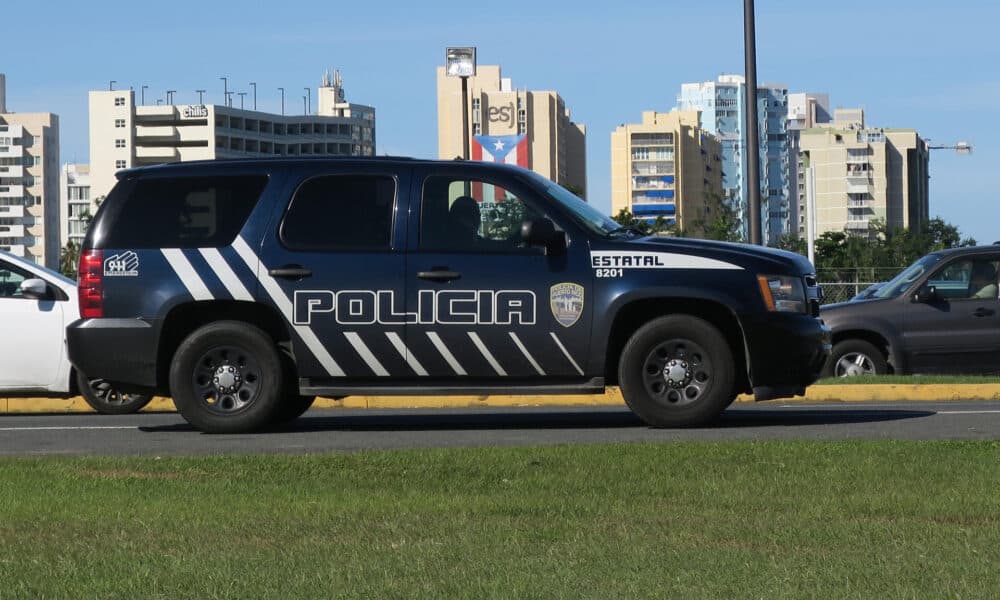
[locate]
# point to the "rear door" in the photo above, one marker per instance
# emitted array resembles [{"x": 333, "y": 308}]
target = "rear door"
[
  {"x": 960, "y": 333},
  {"x": 488, "y": 308},
  {"x": 334, "y": 266}
]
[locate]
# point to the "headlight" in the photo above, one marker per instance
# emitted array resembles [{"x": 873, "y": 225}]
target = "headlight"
[{"x": 782, "y": 293}]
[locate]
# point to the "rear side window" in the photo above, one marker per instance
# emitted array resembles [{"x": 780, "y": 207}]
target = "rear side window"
[
  {"x": 184, "y": 212},
  {"x": 341, "y": 212}
]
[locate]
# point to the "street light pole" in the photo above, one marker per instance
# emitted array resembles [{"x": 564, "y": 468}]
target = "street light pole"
[
  {"x": 201, "y": 95},
  {"x": 752, "y": 136},
  {"x": 253, "y": 84},
  {"x": 225, "y": 90},
  {"x": 170, "y": 96},
  {"x": 142, "y": 94},
  {"x": 241, "y": 95},
  {"x": 461, "y": 62},
  {"x": 282, "y": 90},
  {"x": 308, "y": 100}
]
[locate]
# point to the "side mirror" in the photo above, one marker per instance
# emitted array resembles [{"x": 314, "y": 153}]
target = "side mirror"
[
  {"x": 926, "y": 295},
  {"x": 35, "y": 289},
  {"x": 542, "y": 232}
]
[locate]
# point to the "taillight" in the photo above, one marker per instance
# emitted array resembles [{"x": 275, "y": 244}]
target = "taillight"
[{"x": 90, "y": 284}]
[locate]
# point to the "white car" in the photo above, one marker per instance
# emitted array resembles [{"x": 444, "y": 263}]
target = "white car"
[{"x": 36, "y": 305}]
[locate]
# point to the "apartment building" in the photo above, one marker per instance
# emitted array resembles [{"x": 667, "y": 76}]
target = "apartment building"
[
  {"x": 124, "y": 134},
  {"x": 667, "y": 166},
  {"x": 536, "y": 124},
  {"x": 75, "y": 205},
  {"x": 863, "y": 173},
  {"x": 722, "y": 107},
  {"x": 29, "y": 183}
]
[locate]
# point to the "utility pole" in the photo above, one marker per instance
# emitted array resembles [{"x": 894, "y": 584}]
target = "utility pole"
[{"x": 752, "y": 136}]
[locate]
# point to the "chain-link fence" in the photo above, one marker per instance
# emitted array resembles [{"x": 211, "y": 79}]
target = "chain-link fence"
[{"x": 840, "y": 285}]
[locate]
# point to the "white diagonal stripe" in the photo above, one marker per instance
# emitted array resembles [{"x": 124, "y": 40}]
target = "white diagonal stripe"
[
  {"x": 225, "y": 274},
  {"x": 446, "y": 353},
  {"x": 566, "y": 352},
  {"x": 411, "y": 360},
  {"x": 285, "y": 306},
  {"x": 486, "y": 354},
  {"x": 188, "y": 276},
  {"x": 526, "y": 354},
  {"x": 366, "y": 353}
]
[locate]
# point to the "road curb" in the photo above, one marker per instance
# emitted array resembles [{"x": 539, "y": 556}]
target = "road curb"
[{"x": 817, "y": 393}]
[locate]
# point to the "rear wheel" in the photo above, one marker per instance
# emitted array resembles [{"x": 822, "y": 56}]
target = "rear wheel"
[
  {"x": 677, "y": 371},
  {"x": 227, "y": 377},
  {"x": 851, "y": 358},
  {"x": 107, "y": 399}
]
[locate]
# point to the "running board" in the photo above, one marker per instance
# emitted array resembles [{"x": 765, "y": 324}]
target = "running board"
[{"x": 309, "y": 387}]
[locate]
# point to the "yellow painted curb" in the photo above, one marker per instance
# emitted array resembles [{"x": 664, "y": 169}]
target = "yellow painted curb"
[{"x": 818, "y": 393}]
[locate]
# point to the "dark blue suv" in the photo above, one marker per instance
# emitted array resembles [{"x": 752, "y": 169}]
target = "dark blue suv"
[{"x": 243, "y": 289}]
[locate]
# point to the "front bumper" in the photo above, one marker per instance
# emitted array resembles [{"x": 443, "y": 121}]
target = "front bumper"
[
  {"x": 122, "y": 351},
  {"x": 786, "y": 353}
]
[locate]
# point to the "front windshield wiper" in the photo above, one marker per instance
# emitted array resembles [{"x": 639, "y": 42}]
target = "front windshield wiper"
[{"x": 627, "y": 229}]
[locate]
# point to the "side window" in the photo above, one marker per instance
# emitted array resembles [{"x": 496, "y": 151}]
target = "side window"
[
  {"x": 341, "y": 212},
  {"x": 967, "y": 279},
  {"x": 184, "y": 212},
  {"x": 471, "y": 215},
  {"x": 10, "y": 280}
]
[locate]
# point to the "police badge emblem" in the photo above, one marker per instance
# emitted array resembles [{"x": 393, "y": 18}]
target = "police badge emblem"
[{"x": 566, "y": 300}]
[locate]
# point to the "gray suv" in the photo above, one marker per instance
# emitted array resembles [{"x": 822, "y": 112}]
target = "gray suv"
[{"x": 940, "y": 315}]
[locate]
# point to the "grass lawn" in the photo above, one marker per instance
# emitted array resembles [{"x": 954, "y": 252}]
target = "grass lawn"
[
  {"x": 713, "y": 520},
  {"x": 909, "y": 379}
]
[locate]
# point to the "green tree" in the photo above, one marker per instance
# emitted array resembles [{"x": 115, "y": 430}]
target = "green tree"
[{"x": 69, "y": 259}]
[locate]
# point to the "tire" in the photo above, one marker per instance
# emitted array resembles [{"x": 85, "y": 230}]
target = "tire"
[
  {"x": 677, "y": 371},
  {"x": 227, "y": 377},
  {"x": 291, "y": 408},
  {"x": 851, "y": 358},
  {"x": 106, "y": 399}
]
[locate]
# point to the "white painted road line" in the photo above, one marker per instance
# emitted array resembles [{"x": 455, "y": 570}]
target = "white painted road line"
[
  {"x": 68, "y": 428},
  {"x": 967, "y": 412}
]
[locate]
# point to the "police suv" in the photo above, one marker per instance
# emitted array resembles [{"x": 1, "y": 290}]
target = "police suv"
[{"x": 246, "y": 288}]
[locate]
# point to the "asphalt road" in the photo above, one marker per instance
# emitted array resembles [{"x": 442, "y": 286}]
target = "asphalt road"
[{"x": 152, "y": 434}]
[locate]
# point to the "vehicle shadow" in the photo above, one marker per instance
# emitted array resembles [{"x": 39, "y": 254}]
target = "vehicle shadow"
[{"x": 479, "y": 419}]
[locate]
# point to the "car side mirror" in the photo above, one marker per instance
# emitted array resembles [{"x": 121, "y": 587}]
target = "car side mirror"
[
  {"x": 542, "y": 232},
  {"x": 35, "y": 289},
  {"x": 926, "y": 295}
]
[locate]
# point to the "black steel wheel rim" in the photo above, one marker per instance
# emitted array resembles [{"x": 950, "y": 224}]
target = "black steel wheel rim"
[
  {"x": 227, "y": 380},
  {"x": 109, "y": 394},
  {"x": 677, "y": 372}
]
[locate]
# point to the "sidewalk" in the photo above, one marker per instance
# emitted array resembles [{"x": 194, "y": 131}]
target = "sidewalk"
[{"x": 816, "y": 393}]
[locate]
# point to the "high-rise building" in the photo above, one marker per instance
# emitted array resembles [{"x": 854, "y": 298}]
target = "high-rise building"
[
  {"x": 75, "y": 205},
  {"x": 528, "y": 128},
  {"x": 805, "y": 111},
  {"x": 124, "y": 135},
  {"x": 667, "y": 166},
  {"x": 722, "y": 112},
  {"x": 864, "y": 173},
  {"x": 29, "y": 184}
]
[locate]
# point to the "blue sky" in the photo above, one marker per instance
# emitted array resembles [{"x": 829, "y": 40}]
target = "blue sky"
[{"x": 932, "y": 66}]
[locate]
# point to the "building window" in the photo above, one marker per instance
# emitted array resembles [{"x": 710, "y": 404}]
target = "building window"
[
  {"x": 119, "y": 143},
  {"x": 119, "y": 123},
  {"x": 120, "y": 164},
  {"x": 119, "y": 100}
]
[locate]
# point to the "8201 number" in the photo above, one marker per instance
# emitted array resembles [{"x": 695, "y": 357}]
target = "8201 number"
[{"x": 609, "y": 272}]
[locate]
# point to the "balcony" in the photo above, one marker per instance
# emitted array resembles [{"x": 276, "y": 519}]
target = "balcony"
[
  {"x": 156, "y": 153},
  {"x": 11, "y": 171},
  {"x": 157, "y": 132},
  {"x": 11, "y": 191},
  {"x": 11, "y": 151},
  {"x": 14, "y": 231},
  {"x": 16, "y": 250},
  {"x": 858, "y": 203},
  {"x": 15, "y": 211},
  {"x": 857, "y": 225}
]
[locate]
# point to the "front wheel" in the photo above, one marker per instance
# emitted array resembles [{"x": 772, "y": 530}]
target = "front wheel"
[
  {"x": 851, "y": 358},
  {"x": 677, "y": 371},
  {"x": 107, "y": 399},
  {"x": 227, "y": 377}
]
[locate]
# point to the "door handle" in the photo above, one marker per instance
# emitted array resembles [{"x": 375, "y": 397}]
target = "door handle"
[
  {"x": 290, "y": 272},
  {"x": 439, "y": 275},
  {"x": 983, "y": 312}
]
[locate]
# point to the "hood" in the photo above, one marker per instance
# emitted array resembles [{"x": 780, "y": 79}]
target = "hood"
[{"x": 757, "y": 258}]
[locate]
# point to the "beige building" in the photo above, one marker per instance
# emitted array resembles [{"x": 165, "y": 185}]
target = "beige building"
[
  {"x": 553, "y": 145},
  {"x": 75, "y": 205},
  {"x": 667, "y": 166},
  {"x": 862, "y": 174},
  {"x": 29, "y": 184},
  {"x": 124, "y": 135}
]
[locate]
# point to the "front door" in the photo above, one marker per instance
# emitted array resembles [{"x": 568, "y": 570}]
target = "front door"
[
  {"x": 337, "y": 261},
  {"x": 32, "y": 346},
  {"x": 960, "y": 331},
  {"x": 490, "y": 309}
]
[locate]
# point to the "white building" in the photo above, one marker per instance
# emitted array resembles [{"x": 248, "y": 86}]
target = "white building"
[
  {"x": 125, "y": 135},
  {"x": 29, "y": 184},
  {"x": 75, "y": 206}
]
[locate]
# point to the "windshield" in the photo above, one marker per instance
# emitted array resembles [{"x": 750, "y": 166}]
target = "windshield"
[
  {"x": 898, "y": 284},
  {"x": 581, "y": 212}
]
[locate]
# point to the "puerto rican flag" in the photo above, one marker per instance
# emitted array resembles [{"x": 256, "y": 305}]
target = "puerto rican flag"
[{"x": 506, "y": 149}]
